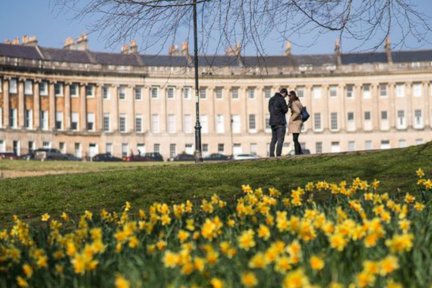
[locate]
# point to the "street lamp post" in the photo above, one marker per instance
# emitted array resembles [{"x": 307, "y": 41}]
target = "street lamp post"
[{"x": 198, "y": 152}]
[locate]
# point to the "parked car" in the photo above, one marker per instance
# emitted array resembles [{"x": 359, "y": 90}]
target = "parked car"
[
  {"x": 9, "y": 155},
  {"x": 71, "y": 157},
  {"x": 216, "y": 157},
  {"x": 105, "y": 157},
  {"x": 245, "y": 157},
  {"x": 47, "y": 154},
  {"x": 137, "y": 157},
  {"x": 153, "y": 156},
  {"x": 183, "y": 157}
]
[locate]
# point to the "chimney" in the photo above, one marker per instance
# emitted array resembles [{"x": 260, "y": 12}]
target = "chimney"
[
  {"x": 185, "y": 52},
  {"x": 31, "y": 41},
  {"x": 125, "y": 49},
  {"x": 133, "y": 47},
  {"x": 288, "y": 48},
  {"x": 15, "y": 41},
  {"x": 173, "y": 50},
  {"x": 235, "y": 51},
  {"x": 7, "y": 41},
  {"x": 69, "y": 43},
  {"x": 82, "y": 42},
  {"x": 388, "y": 50},
  {"x": 338, "y": 53}
]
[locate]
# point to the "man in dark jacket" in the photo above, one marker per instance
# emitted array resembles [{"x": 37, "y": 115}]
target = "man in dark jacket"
[{"x": 278, "y": 108}]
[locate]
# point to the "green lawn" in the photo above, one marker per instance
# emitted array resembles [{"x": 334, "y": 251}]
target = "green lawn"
[{"x": 102, "y": 185}]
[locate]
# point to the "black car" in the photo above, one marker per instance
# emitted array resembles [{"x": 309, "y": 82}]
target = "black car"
[
  {"x": 216, "y": 157},
  {"x": 183, "y": 157},
  {"x": 47, "y": 154},
  {"x": 105, "y": 157},
  {"x": 153, "y": 156},
  {"x": 8, "y": 155}
]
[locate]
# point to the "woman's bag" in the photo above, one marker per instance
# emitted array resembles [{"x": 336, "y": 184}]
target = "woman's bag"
[{"x": 304, "y": 115}]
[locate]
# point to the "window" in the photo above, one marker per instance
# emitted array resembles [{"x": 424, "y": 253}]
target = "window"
[
  {"x": 368, "y": 145},
  {"x": 349, "y": 91},
  {"x": 74, "y": 124},
  {"x": 253, "y": 148},
  {"x": 1, "y": 85},
  {"x": 350, "y": 121},
  {"x": 28, "y": 87},
  {"x": 419, "y": 141},
  {"x": 106, "y": 92},
  {"x": 418, "y": 119},
  {"x": 46, "y": 144},
  {"x": 187, "y": 93},
  {"x": 106, "y": 122},
  {"x": 318, "y": 147},
  {"x": 203, "y": 93},
  {"x": 59, "y": 121},
  {"x": 205, "y": 148},
  {"x": 417, "y": 90},
  {"x": 78, "y": 152},
  {"x": 252, "y": 123},
  {"x": 125, "y": 149},
  {"x": 109, "y": 148},
  {"x": 90, "y": 90},
  {"x": 335, "y": 147},
  {"x": 122, "y": 123},
  {"x": 221, "y": 148},
  {"x": 172, "y": 150},
  {"x": 141, "y": 148},
  {"x": 156, "y": 148},
  {"x": 267, "y": 123},
  {"x": 317, "y": 122},
  {"x": 138, "y": 93},
  {"x": 384, "y": 123},
  {"x": 400, "y": 90},
  {"x": 235, "y": 120},
  {"x": 155, "y": 123},
  {"x": 62, "y": 147},
  {"x": 122, "y": 92},
  {"x": 300, "y": 92},
  {"x": 74, "y": 90},
  {"x": 385, "y": 144},
  {"x": 383, "y": 90},
  {"x": 402, "y": 143},
  {"x": 351, "y": 146},
  {"x": 333, "y": 92},
  {"x": 189, "y": 149},
  {"x": 58, "y": 89},
  {"x": 384, "y": 115},
  {"x": 401, "y": 122},
  {"x": 267, "y": 92},
  {"x": 220, "y": 125},
  {"x": 367, "y": 91},
  {"x": 333, "y": 121},
  {"x": 13, "y": 118},
  {"x": 90, "y": 121},
  {"x": 31, "y": 146},
  {"x": 171, "y": 123},
  {"x": 43, "y": 88},
  {"x": 44, "y": 120},
  {"x": 219, "y": 93},
  {"x": 28, "y": 119},
  {"x": 187, "y": 123},
  {"x": 138, "y": 123},
  {"x": 251, "y": 93},
  {"x": 235, "y": 93},
  {"x": 204, "y": 123},
  {"x": 316, "y": 92},
  {"x": 13, "y": 86},
  {"x": 367, "y": 115},
  {"x": 170, "y": 93}
]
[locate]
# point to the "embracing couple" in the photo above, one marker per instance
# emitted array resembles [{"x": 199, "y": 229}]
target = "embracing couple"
[{"x": 278, "y": 108}]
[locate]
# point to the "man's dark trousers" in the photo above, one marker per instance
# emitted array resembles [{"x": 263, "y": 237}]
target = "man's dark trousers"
[{"x": 278, "y": 136}]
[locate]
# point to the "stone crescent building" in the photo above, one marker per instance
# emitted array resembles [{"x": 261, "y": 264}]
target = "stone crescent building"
[{"x": 84, "y": 102}]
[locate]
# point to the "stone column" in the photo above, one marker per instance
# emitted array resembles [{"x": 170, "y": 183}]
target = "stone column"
[
  {"x": 376, "y": 113},
  {"x": 83, "y": 107},
  {"x": 6, "y": 106},
  {"x": 67, "y": 106},
  {"x": 116, "y": 117},
  {"x": 392, "y": 114},
  {"x": 359, "y": 117},
  {"x": 36, "y": 105},
  {"x": 52, "y": 108},
  {"x": 426, "y": 110},
  {"x": 21, "y": 103},
  {"x": 131, "y": 127},
  {"x": 409, "y": 113}
]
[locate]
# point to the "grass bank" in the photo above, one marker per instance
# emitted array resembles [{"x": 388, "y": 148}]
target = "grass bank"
[{"x": 142, "y": 185}]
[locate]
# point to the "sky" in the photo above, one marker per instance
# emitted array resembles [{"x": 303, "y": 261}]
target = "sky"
[{"x": 51, "y": 27}]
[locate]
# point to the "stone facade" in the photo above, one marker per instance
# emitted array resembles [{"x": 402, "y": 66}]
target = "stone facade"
[{"x": 85, "y": 103}]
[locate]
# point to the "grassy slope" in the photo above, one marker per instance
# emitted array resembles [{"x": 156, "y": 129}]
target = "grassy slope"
[{"x": 30, "y": 197}]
